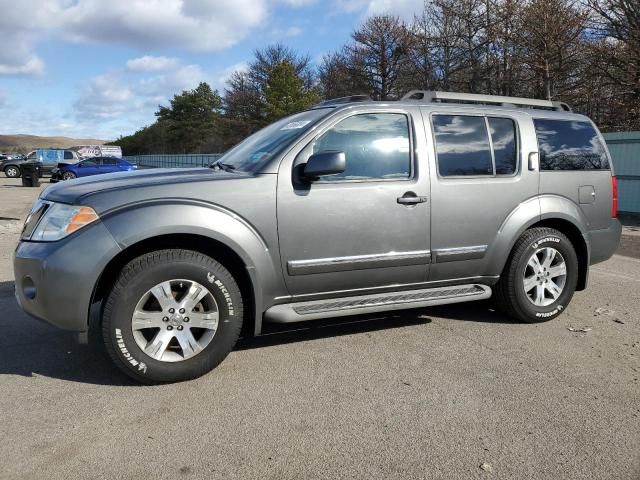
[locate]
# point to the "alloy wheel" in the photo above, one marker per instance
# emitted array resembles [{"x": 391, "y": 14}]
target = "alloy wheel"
[
  {"x": 175, "y": 320},
  {"x": 545, "y": 276}
]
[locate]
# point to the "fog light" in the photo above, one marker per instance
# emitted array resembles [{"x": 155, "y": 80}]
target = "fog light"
[{"x": 28, "y": 288}]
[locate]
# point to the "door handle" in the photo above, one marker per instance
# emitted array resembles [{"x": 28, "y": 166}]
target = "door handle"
[
  {"x": 411, "y": 198},
  {"x": 534, "y": 161}
]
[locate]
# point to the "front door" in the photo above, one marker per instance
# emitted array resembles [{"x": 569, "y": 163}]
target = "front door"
[{"x": 344, "y": 233}]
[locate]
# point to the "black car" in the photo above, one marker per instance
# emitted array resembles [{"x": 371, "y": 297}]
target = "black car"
[{"x": 11, "y": 166}]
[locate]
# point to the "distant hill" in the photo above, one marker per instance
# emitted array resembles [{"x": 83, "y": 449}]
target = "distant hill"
[{"x": 30, "y": 142}]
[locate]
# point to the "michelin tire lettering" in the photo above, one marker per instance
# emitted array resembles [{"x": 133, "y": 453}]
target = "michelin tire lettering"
[{"x": 142, "y": 367}]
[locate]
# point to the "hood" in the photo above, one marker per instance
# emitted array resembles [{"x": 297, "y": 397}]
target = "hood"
[{"x": 74, "y": 191}]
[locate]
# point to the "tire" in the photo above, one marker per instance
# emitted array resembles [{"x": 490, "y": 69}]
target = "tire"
[
  {"x": 158, "y": 345},
  {"x": 12, "y": 171},
  {"x": 517, "y": 293},
  {"x": 68, "y": 176}
]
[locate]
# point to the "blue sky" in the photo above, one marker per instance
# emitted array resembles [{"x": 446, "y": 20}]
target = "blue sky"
[{"x": 90, "y": 68}]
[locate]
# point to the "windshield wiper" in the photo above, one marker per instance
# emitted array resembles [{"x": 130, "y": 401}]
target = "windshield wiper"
[{"x": 223, "y": 166}]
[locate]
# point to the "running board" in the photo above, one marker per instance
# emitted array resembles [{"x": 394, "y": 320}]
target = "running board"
[{"x": 381, "y": 302}]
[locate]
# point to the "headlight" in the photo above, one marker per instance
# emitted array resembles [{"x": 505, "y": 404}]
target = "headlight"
[{"x": 59, "y": 220}]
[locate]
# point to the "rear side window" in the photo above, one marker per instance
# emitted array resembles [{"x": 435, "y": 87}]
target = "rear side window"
[
  {"x": 503, "y": 140},
  {"x": 463, "y": 145},
  {"x": 68, "y": 155},
  {"x": 569, "y": 145},
  {"x": 376, "y": 146}
]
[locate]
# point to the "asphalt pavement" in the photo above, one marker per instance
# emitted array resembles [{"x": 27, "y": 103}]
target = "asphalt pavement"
[{"x": 448, "y": 392}]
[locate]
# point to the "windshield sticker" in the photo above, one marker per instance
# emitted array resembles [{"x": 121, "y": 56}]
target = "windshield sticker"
[{"x": 294, "y": 125}]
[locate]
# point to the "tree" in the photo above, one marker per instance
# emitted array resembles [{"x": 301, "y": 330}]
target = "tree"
[
  {"x": 192, "y": 119},
  {"x": 285, "y": 92},
  {"x": 341, "y": 74},
  {"x": 380, "y": 46},
  {"x": 552, "y": 36}
]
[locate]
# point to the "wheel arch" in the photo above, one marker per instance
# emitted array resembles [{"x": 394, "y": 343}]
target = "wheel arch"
[
  {"x": 215, "y": 249},
  {"x": 209, "y": 229},
  {"x": 550, "y": 211},
  {"x": 5, "y": 167}
]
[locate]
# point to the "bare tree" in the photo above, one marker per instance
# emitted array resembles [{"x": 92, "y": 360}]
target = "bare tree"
[{"x": 380, "y": 46}]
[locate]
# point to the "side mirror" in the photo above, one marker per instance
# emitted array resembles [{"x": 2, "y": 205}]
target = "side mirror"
[{"x": 324, "y": 163}]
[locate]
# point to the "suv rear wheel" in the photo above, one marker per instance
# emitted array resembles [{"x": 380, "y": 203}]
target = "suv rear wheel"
[
  {"x": 540, "y": 277},
  {"x": 173, "y": 315},
  {"x": 12, "y": 171}
]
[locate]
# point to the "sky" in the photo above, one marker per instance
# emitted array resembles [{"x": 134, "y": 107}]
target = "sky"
[{"x": 99, "y": 69}]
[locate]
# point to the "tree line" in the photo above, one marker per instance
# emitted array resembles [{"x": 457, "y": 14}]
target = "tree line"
[{"x": 582, "y": 52}]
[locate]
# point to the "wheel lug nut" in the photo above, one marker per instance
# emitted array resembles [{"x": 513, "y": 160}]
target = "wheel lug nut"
[
  {"x": 165, "y": 319},
  {"x": 180, "y": 327},
  {"x": 186, "y": 319},
  {"x": 172, "y": 310},
  {"x": 182, "y": 310},
  {"x": 169, "y": 327}
]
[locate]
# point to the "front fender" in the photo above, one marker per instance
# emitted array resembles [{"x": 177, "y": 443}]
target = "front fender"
[{"x": 133, "y": 224}]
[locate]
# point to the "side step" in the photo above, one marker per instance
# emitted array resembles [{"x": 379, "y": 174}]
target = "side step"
[{"x": 381, "y": 302}]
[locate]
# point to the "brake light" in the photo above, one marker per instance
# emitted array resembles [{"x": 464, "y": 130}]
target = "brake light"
[{"x": 614, "y": 197}]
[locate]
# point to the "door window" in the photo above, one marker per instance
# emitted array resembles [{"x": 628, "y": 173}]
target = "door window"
[
  {"x": 503, "y": 140},
  {"x": 68, "y": 155},
  {"x": 569, "y": 145},
  {"x": 475, "y": 145},
  {"x": 376, "y": 146},
  {"x": 462, "y": 145}
]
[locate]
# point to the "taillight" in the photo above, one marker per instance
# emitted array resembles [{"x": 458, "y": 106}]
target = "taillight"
[{"x": 614, "y": 197}]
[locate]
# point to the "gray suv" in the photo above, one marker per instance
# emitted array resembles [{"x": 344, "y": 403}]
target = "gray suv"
[{"x": 351, "y": 207}]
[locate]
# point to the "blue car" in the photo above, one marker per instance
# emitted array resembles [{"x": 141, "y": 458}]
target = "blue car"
[{"x": 90, "y": 166}]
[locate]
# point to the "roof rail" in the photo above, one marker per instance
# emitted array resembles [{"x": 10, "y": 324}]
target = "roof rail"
[
  {"x": 454, "y": 97},
  {"x": 341, "y": 100}
]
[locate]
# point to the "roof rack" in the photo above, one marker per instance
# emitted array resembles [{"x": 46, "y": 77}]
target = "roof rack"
[
  {"x": 341, "y": 100},
  {"x": 453, "y": 97}
]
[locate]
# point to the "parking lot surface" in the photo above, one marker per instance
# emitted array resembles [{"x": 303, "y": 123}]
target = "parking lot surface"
[{"x": 448, "y": 392}]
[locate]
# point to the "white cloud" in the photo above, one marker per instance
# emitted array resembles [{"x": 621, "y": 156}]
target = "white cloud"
[
  {"x": 149, "y": 63},
  {"x": 293, "y": 31},
  {"x": 405, "y": 9},
  {"x": 202, "y": 25},
  {"x": 195, "y": 25}
]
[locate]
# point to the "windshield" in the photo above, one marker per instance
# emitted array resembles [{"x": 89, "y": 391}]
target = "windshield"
[{"x": 255, "y": 151}]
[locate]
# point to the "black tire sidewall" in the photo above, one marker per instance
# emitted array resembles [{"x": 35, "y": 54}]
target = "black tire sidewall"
[
  {"x": 531, "y": 312},
  {"x": 119, "y": 335}
]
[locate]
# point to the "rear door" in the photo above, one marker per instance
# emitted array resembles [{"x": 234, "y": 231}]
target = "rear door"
[
  {"x": 480, "y": 175},
  {"x": 109, "y": 165},
  {"x": 574, "y": 163}
]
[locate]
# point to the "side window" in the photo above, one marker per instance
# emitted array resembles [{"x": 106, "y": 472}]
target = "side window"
[
  {"x": 32, "y": 156},
  {"x": 109, "y": 161},
  {"x": 68, "y": 155},
  {"x": 569, "y": 145},
  {"x": 462, "y": 145},
  {"x": 376, "y": 146},
  {"x": 503, "y": 140}
]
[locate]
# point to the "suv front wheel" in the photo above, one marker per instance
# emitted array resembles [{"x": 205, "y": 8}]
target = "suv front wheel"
[
  {"x": 540, "y": 277},
  {"x": 172, "y": 315}
]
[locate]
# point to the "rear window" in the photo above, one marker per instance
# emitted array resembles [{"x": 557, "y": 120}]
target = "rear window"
[{"x": 570, "y": 145}]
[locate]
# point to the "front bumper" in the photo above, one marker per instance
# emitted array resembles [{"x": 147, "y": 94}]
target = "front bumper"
[
  {"x": 604, "y": 243},
  {"x": 55, "y": 280}
]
